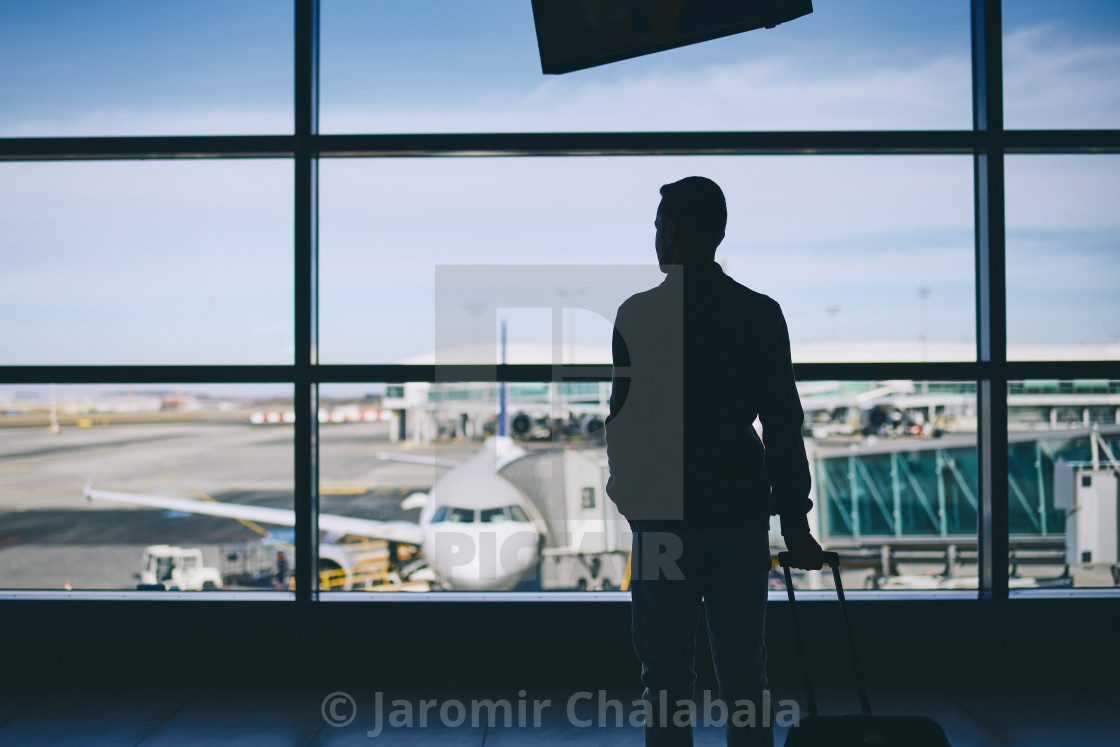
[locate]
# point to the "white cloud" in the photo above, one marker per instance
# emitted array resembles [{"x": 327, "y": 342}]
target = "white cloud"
[
  {"x": 1054, "y": 80},
  {"x": 784, "y": 92},
  {"x": 126, "y": 122}
]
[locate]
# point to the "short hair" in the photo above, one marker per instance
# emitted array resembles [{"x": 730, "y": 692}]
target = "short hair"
[{"x": 697, "y": 205}]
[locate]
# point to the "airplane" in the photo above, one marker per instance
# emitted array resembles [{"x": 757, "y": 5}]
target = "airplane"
[
  {"x": 477, "y": 531},
  {"x": 480, "y": 532}
]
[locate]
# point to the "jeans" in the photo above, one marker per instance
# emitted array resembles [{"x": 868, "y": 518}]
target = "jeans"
[{"x": 672, "y": 574}]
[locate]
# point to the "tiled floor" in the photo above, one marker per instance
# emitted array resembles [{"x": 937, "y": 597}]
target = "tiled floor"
[{"x": 971, "y": 715}]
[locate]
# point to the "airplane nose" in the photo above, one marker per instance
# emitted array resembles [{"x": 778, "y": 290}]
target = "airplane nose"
[{"x": 485, "y": 557}]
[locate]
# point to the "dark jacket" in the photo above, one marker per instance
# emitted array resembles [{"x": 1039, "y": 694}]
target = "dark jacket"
[{"x": 696, "y": 360}]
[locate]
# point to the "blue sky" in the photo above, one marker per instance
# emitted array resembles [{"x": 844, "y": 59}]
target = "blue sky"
[
  {"x": 115, "y": 67},
  {"x": 475, "y": 73},
  {"x": 191, "y": 262}
]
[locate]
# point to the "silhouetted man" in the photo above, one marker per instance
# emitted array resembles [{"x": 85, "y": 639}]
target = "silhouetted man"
[{"x": 696, "y": 360}]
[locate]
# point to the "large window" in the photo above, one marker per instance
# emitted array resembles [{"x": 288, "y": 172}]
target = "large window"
[
  {"x": 1063, "y": 237},
  {"x": 316, "y": 296},
  {"x": 146, "y": 262},
  {"x": 871, "y": 258},
  {"x": 119, "y": 68},
  {"x": 448, "y": 67},
  {"x": 1061, "y": 64},
  {"x": 109, "y": 487}
]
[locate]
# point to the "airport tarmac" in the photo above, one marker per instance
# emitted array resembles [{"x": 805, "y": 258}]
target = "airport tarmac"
[
  {"x": 39, "y": 471},
  {"x": 50, "y": 533}
]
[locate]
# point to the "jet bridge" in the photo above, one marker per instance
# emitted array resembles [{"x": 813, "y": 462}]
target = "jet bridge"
[
  {"x": 585, "y": 538},
  {"x": 914, "y": 501},
  {"x": 918, "y": 487}
]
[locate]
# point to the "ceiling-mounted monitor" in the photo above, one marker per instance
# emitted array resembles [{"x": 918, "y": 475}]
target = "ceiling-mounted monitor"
[{"x": 577, "y": 34}]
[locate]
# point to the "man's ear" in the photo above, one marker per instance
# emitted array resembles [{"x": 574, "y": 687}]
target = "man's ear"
[{"x": 670, "y": 232}]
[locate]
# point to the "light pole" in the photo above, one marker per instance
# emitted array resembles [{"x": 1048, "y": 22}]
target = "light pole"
[
  {"x": 503, "y": 416},
  {"x": 571, "y": 295},
  {"x": 923, "y": 295},
  {"x": 832, "y": 310}
]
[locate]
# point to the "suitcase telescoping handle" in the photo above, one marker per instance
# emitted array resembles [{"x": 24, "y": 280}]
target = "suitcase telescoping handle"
[{"x": 832, "y": 559}]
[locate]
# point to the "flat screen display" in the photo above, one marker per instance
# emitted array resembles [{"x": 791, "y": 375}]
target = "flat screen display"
[{"x": 578, "y": 34}]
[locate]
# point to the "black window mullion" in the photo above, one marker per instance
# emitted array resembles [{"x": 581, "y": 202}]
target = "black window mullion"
[
  {"x": 399, "y": 373},
  {"x": 991, "y": 298},
  {"x": 144, "y": 147},
  {"x": 306, "y": 299},
  {"x": 837, "y": 142},
  {"x": 455, "y": 145},
  {"x": 167, "y": 374}
]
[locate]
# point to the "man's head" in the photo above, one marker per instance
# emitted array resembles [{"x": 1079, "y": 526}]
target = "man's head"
[{"x": 691, "y": 221}]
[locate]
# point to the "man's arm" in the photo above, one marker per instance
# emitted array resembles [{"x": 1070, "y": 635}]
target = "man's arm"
[{"x": 780, "y": 411}]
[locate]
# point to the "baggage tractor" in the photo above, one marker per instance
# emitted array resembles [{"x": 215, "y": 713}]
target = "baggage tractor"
[{"x": 858, "y": 730}]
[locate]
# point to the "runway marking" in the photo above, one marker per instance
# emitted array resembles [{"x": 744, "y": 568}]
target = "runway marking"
[
  {"x": 246, "y": 522},
  {"x": 14, "y": 467}
]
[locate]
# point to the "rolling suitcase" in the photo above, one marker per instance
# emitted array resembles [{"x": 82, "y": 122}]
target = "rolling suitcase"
[{"x": 860, "y": 729}]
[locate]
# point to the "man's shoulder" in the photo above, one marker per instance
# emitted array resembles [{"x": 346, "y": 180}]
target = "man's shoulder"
[
  {"x": 639, "y": 299},
  {"x": 744, "y": 297},
  {"x": 750, "y": 297}
]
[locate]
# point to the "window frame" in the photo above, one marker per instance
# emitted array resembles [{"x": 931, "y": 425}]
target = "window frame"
[{"x": 987, "y": 142}]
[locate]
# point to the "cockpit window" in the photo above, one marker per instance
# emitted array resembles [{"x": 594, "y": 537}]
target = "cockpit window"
[
  {"x": 461, "y": 515},
  {"x": 485, "y": 515},
  {"x": 493, "y": 514}
]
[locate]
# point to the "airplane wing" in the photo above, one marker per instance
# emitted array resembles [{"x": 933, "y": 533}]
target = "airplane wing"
[
  {"x": 403, "y": 532},
  {"x": 430, "y": 461}
]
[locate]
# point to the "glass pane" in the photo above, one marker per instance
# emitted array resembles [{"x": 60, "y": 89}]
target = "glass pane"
[
  {"x": 895, "y": 482},
  {"x": 870, "y": 257},
  {"x": 1063, "y": 257},
  {"x": 1064, "y": 445},
  {"x": 893, "y": 465},
  {"x": 120, "y": 67},
  {"x": 417, "y": 490},
  {"x": 117, "y": 487},
  {"x": 1061, "y": 64},
  {"x": 146, "y": 262},
  {"x": 474, "y": 67}
]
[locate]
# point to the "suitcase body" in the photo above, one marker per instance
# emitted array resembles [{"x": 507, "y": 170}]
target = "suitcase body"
[{"x": 858, "y": 730}]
